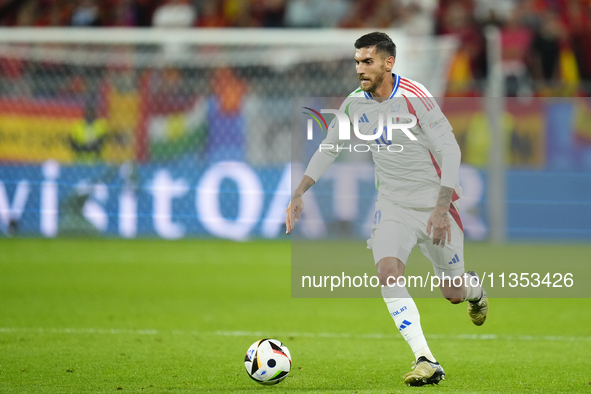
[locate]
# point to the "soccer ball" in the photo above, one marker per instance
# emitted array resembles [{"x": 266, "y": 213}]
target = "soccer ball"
[{"x": 267, "y": 361}]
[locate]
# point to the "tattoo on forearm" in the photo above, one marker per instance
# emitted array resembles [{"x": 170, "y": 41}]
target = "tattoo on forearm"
[
  {"x": 307, "y": 183},
  {"x": 445, "y": 194}
]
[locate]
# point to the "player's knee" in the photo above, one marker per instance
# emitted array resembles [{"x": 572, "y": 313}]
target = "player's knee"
[
  {"x": 388, "y": 278},
  {"x": 389, "y": 271},
  {"x": 454, "y": 300}
]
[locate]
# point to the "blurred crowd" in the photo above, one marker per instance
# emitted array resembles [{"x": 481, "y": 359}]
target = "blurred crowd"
[{"x": 546, "y": 44}]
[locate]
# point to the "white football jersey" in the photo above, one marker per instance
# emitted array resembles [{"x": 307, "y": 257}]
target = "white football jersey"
[{"x": 406, "y": 171}]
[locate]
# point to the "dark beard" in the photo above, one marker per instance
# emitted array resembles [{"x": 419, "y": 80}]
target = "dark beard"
[
  {"x": 374, "y": 86},
  {"x": 378, "y": 81}
]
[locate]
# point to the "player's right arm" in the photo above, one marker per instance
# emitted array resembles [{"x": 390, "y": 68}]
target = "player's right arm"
[
  {"x": 296, "y": 205},
  {"x": 319, "y": 163}
]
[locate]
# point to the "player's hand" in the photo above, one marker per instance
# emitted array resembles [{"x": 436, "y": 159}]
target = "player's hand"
[
  {"x": 293, "y": 211},
  {"x": 439, "y": 222}
]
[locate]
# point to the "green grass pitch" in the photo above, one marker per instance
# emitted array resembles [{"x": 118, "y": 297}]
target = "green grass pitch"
[{"x": 156, "y": 316}]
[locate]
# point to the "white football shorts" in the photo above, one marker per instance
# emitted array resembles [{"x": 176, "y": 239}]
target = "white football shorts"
[{"x": 397, "y": 230}]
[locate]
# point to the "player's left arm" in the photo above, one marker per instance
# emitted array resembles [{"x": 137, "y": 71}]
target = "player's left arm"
[
  {"x": 447, "y": 146},
  {"x": 439, "y": 221}
]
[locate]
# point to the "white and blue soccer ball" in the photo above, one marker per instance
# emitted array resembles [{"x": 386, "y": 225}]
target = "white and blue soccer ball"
[{"x": 267, "y": 361}]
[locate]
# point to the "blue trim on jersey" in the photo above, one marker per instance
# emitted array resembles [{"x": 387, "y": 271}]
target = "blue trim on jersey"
[
  {"x": 394, "y": 88},
  {"x": 396, "y": 83}
]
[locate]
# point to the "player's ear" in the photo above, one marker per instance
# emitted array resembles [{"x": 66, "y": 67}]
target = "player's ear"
[{"x": 390, "y": 63}]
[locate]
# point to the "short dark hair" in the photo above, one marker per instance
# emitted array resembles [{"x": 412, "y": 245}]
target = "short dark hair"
[{"x": 381, "y": 41}]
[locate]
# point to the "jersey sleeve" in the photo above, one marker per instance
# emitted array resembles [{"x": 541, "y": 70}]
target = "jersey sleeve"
[
  {"x": 449, "y": 150},
  {"x": 439, "y": 133},
  {"x": 331, "y": 147}
]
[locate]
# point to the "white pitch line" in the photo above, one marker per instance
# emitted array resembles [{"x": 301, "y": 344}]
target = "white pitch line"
[
  {"x": 76, "y": 331},
  {"x": 260, "y": 334}
]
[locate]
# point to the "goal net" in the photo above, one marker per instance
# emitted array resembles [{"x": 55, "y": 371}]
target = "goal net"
[{"x": 147, "y": 132}]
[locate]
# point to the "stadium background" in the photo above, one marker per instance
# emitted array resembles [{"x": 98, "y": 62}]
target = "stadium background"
[
  {"x": 170, "y": 115},
  {"x": 187, "y": 138}
]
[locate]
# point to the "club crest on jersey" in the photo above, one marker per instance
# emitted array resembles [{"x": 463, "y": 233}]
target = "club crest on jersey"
[{"x": 396, "y": 108}]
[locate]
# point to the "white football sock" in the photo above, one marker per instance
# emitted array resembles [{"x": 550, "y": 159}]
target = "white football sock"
[
  {"x": 406, "y": 316},
  {"x": 472, "y": 293}
]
